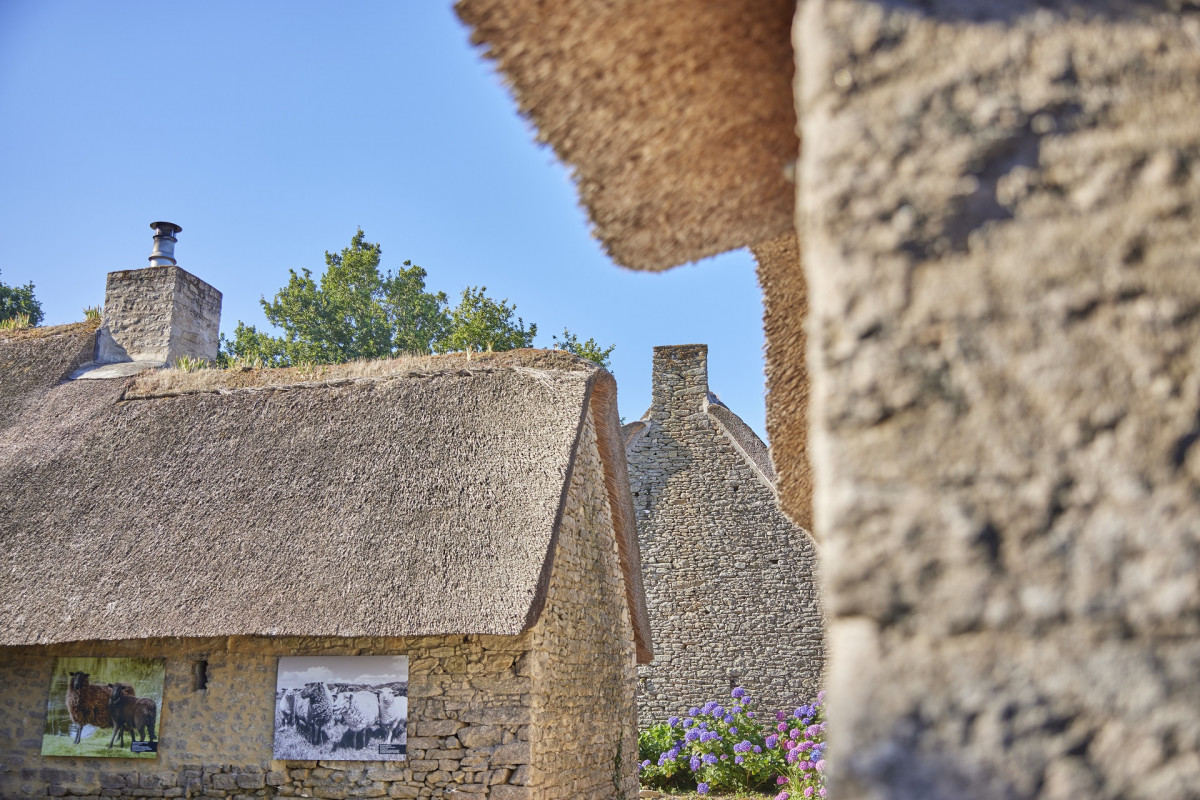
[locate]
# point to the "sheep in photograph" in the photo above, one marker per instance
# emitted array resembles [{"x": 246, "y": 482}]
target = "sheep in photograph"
[
  {"x": 393, "y": 712},
  {"x": 359, "y": 712},
  {"x": 285, "y": 708},
  {"x": 87, "y": 703},
  {"x": 131, "y": 713},
  {"x": 299, "y": 711},
  {"x": 320, "y": 711}
]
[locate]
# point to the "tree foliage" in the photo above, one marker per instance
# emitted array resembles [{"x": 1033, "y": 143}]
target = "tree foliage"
[
  {"x": 591, "y": 349},
  {"x": 353, "y": 310},
  {"x": 480, "y": 323},
  {"x": 15, "y": 300}
]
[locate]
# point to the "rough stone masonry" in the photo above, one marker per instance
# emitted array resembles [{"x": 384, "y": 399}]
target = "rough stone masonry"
[
  {"x": 730, "y": 581},
  {"x": 1000, "y": 207}
]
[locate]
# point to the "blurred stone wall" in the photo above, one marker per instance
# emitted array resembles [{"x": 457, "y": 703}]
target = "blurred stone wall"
[
  {"x": 730, "y": 582},
  {"x": 999, "y": 205}
]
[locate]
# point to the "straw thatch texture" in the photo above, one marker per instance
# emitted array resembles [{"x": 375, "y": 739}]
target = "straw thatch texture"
[
  {"x": 785, "y": 311},
  {"x": 32, "y": 360},
  {"x": 420, "y": 504},
  {"x": 677, "y": 117}
]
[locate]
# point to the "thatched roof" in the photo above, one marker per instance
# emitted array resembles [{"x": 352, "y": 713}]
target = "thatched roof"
[
  {"x": 424, "y": 500},
  {"x": 785, "y": 294},
  {"x": 677, "y": 116}
]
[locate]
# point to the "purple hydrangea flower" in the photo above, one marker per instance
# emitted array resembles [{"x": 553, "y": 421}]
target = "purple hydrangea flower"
[
  {"x": 644, "y": 764},
  {"x": 717, "y": 710},
  {"x": 692, "y": 735},
  {"x": 701, "y": 788},
  {"x": 757, "y": 749},
  {"x": 694, "y": 762},
  {"x": 738, "y": 759},
  {"x": 742, "y": 747},
  {"x": 728, "y": 718},
  {"x": 782, "y": 796},
  {"x": 738, "y": 692},
  {"x": 772, "y": 740},
  {"x": 693, "y": 711},
  {"x": 733, "y": 731},
  {"x": 808, "y": 791},
  {"x": 672, "y": 721},
  {"x": 709, "y": 758},
  {"x": 780, "y": 716},
  {"x": 749, "y": 713}
]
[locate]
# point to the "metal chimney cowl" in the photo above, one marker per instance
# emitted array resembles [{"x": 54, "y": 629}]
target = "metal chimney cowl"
[{"x": 164, "y": 243}]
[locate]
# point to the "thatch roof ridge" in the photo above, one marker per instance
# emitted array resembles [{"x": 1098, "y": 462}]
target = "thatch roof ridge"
[
  {"x": 42, "y": 331},
  {"x": 171, "y": 381}
]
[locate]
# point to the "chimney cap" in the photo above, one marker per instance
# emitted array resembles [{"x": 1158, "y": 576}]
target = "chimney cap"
[{"x": 170, "y": 228}]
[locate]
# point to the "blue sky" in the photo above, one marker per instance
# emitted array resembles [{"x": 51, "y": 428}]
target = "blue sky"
[{"x": 271, "y": 130}]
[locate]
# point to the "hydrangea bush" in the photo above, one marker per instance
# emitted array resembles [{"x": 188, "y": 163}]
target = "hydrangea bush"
[{"x": 726, "y": 748}]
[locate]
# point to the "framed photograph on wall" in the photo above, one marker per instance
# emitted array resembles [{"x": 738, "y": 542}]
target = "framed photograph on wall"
[
  {"x": 104, "y": 707},
  {"x": 348, "y": 708}
]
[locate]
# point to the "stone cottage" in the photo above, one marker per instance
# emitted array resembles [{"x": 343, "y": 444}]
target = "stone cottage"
[
  {"x": 976, "y": 226},
  {"x": 730, "y": 581},
  {"x": 472, "y": 514}
]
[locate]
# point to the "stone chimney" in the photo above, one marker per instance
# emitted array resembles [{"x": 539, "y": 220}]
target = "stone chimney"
[
  {"x": 159, "y": 313},
  {"x": 680, "y": 380}
]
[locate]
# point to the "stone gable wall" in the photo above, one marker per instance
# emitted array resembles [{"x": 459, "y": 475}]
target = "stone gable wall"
[
  {"x": 585, "y": 731},
  {"x": 547, "y": 714},
  {"x": 730, "y": 582}
]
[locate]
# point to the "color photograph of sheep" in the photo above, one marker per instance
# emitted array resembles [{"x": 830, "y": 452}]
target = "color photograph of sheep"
[
  {"x": 104, "y": 707},
  {"x": 348, "y": 708}
]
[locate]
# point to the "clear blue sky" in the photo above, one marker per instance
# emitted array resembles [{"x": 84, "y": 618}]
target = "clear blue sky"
[{"x": 270, "y": 130}]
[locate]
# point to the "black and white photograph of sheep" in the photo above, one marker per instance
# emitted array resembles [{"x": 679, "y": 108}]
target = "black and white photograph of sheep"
[
  {"x": 349, "y": 708},
  {"x": 104, "y": 707}
]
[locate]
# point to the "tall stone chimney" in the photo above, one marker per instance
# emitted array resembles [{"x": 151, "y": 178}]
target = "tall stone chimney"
[
  {"x": 680, "y": 380},
  {"x": 159, "y": 313}
]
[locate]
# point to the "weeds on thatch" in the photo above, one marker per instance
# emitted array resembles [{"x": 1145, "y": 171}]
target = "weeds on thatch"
[
  {"x": 189, "y": 364},
  {"x": 241, "y": 374},
  {"x": 91, "y": 313},
  {"x": 15, "y": 323}
]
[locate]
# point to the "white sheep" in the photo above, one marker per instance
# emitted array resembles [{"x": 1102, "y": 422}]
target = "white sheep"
[
  {"x": 359, "y": 712},
  {"x": 393, "y": 711}
]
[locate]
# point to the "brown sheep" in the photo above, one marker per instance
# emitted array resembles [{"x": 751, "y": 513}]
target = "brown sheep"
[
  {"x": 87, "y": 703},
  {"x": 131, "y": 713}
]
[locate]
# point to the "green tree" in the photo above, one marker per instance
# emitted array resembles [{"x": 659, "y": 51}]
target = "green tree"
[
  {"x": 16, "y": 300},
  {"x": 591, "y": 349},
  {"x": 480, "y": 323},
  {"x": 353, "y": 311}
]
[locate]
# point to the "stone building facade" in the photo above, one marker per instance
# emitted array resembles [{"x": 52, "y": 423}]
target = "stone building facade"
[
  {"x": 222, "y": 520},
  {"x": 731, "y": 583}
]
